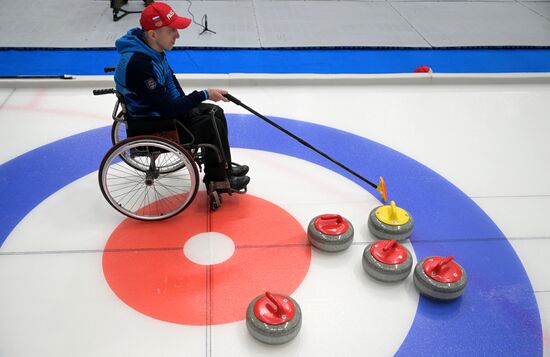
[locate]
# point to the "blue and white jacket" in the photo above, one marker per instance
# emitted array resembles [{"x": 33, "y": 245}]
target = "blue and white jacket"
[{"x": 145, "y": 79}]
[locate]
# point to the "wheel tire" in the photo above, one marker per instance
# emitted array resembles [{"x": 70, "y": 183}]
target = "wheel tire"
[
  {"x": 145, "y": 194},
  {"x": 118, "y": 131}
]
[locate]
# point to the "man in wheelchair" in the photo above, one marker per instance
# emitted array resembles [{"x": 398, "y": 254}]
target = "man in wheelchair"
[{"x": 152, "y": 94}]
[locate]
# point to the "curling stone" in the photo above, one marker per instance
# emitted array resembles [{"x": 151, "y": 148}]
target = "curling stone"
[
  {"x": 390, "y": 222},
  {"x": 440, "y": 278},
  {"x": 387, "y": 261},
  {"x": 330, "y": 232},
  {"x": 273, "y": 319}
]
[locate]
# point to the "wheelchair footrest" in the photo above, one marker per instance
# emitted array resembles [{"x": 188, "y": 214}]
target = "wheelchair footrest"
[
  {"x": 215, "y": 189},
  {"x": 241, "y": 191},
  {"x": 218, "y": 186}
]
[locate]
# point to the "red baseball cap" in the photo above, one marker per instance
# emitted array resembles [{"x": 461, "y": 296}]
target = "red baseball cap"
[{"x": 159, "y": 14}]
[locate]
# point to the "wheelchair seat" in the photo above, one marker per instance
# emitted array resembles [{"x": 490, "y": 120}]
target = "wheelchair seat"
[{"x": 164, "y": 128}]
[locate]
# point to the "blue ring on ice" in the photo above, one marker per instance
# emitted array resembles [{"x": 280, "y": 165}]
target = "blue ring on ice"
[{"x": 497, "y": 314}]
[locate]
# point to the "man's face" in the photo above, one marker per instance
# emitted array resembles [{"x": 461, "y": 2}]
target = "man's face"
[{"x": 166, "y": 37}]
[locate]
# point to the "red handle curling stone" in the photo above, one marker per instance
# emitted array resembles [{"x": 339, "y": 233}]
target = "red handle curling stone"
[
  {"x": 440, "y": 278},
  {"x": 389, "y": 252},
  {"x": 273, "y": 319},
  {"x": 330, "y": 232},
  {"x": 442, "y": 269},
  {"x": 331, "y": 224},
  {"x": 274, "y": 309},
  {"x": 387, "y": 261}
]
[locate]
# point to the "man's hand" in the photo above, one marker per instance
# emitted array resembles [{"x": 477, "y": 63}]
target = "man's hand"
[{"x": 216, "y": 94}]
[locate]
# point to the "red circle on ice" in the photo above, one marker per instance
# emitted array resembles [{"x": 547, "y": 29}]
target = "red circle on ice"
[{"x": 145, "y": 265}]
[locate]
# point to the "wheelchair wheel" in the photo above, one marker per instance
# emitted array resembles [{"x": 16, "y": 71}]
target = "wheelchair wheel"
[
  {"x": 118, "y": 131},
  {"x": 118, "y": 134},
  {"x": 148, "y": 193}
]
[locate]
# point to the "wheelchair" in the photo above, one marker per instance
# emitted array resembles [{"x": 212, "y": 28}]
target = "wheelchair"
[{"x": 148, "y": 174}]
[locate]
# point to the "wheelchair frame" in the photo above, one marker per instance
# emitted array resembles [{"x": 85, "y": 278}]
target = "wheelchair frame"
[{"x": 154, "y": 177}]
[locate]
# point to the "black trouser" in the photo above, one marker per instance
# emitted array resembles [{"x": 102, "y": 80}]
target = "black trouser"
[{"x": 199, "y": 122}]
